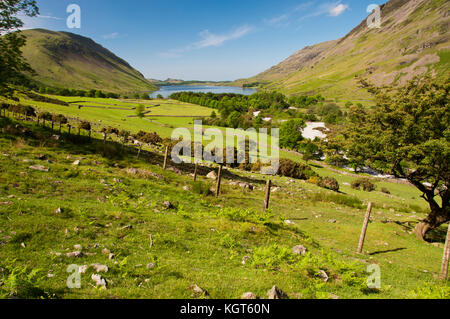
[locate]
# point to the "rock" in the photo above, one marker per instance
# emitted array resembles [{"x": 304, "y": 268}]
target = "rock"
[
  {"x": 212, "y": 175},
  {"x": 100, "y": 267},
  {"x": 127, "y": 227},
  {"x": 111, "y": 256},
  {"x": 249, "y": 295},
  {"x": 195, "y": 288},
  {"x": 118, "y": 181},
  {"x": 11, "y": 196},
  {"x": 55, "y": 137},
  {"x": 275, "y": 189},
  {"x": 299, "y": 250},
  {"x": 83, "y": 269},
  {"x": 186, "y": 188},
  {"x": 39, "y": 168},
  {"x": 276, "y": 293},
  {"x": 333, "y": 296},
  {"x": 168, "y": 205},
  {"x": 99, "y": 280},
  {"x": 23, "y": 245},
  {"x": 58, "y": 210},
  {"x": 106, "y": 251},
  {"x": 437, "y": 245},
  {"x": 6, "y": 203},
  {"x": 151, "y": 266},
  {"x": 332, "y": 221},
  {"x": 75, "y": 254},
  {"x": 76, "y": 163},
  {"x": 78, "y": 247},
  {"x": 246, "y": 186},
  {"x": 245, "y": 259},
  {"x": 322, "y": 275},
  {"x": 288, "y": 222}
]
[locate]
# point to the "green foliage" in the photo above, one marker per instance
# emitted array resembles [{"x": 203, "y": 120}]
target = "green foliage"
[
  {"x": 291, "y": 133},
  {"x": 431, "y": 291},
  {"x": 201, "y": 188},
  {"x": 140, "y": 109},
  {"x": 293, "y": 169},
  {"x": 363, "y": 183},
  {"x": 246, "y": 215},
  {"x": 270, "y": 257}
]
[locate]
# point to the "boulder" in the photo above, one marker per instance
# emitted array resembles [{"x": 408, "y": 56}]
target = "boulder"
[
  {"x": 212, "y": 175},
  {"x": 249, "y": 295},
  {"x": 39, "y": 168},
  {"x": 276, "y": 293},
  {"x": 299, "y": 250}
]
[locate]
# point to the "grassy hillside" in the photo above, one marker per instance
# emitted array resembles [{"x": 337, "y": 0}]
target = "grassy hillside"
[
  {"x": 63, "y": 59},
  {"x": 413, "y": 39},
  {"x": 116, "y": 204}
]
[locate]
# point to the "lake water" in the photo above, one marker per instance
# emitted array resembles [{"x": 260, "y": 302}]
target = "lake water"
[{"x": 165, "y": 91}]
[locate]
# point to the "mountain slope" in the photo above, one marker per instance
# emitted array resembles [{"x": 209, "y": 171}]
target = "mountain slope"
[
  {"x": 413, "y": 39},
  {"x": 63, "y": 59}
]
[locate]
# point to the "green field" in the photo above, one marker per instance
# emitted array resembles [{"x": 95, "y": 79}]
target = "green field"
[{"x": 200, "y": 239}]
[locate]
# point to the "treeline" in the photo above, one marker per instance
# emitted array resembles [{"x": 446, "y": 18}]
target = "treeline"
[{"x": 90, "y": 93}]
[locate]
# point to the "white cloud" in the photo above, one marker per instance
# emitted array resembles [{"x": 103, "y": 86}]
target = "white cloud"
[
  {"x": 209, "y": 40},
  {"x": 277, "y": 21},
  {"x": 338, "y": 10},
  {"x": 110, "y": 36}
]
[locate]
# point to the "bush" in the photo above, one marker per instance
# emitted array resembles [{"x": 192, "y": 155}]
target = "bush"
[
  {"x": 330, "y": 183},
  {"x": 363, "y": 183},
  {"x": 385, "y": 190},
  {"x": 292, "y": 169}
]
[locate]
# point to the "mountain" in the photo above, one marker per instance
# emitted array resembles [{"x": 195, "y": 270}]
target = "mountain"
[
  {"x": 413, "y": 39},
  {"x": 68, "y": 60}
]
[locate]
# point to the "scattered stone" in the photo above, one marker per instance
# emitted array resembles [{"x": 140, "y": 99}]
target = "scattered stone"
[
  {"x": 288, "y": 222},
  {"x": 246, "y": 186},
  {"x": 55, "y": 137},
  {"x": 50, "y": 275},
  {"x": 249, "y": 295},
  {"x": 96, "y": 246},
  {"x": 276, "y": 293},
  {"x": 333, "y": 296},
  {"x": 78, "y": 247},
  {"x": 186, "y": 188},
  {"x": 100, "y": 267},
  {"x": 212, "y": 175},
  {"x": 39, "y": 168},
  {"x": 195, "y": 288},
  {"x": 322, "y": 275},
  {"x": 168, "y": 205},
  {"x": 111, "y": 256},
  {"x": 23, "y": 245},
  {"x": 75, "y": 254},
  {"x": 58, "y": 210},
  {"x": 127, "y": 227},
  {"x": 11, "y": 196},
  {"x": 246, "y": 259},
  {"x": 392, "y": 210},
  {"x": 99, "y": 280},
  {"x": 6, "y": 203},
  {"x": 299, "y": 250},
  {"x": 151, "y": 266},
  {"x": 332, "y": 221},
  {"x": 118, "y": 181},
  {"x": 76, "y": 163},
  {"x": 275, "y": 189}
]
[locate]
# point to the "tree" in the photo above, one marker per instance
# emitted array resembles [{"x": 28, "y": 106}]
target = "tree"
[
  {"x": 291, "y": 133},
  {"x": 61, "y": 119},
  {"x": 12, "y": 63},
  {"x": 140, "y": 109},
  {"x": 124, "y": 137},
  {"x": 407, "y": 134},
  {"x": 107, "y": 131},
  {"x": 84, "y": 125}
]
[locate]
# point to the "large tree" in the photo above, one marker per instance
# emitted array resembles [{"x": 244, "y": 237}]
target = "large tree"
[
  {"x": 407, "y": 134},
  {"x": 12, "y": 63}
]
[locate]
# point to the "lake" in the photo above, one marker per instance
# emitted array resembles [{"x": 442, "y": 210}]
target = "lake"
[{"x": 165, "y": 91}]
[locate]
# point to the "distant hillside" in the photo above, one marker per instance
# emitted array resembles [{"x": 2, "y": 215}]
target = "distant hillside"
[
  {"x": 63, "y": 59},
  {"x": 413, "y": 39}
]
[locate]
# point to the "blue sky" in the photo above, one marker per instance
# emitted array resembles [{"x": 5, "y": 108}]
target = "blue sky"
[{"x": 205, "y": 39}]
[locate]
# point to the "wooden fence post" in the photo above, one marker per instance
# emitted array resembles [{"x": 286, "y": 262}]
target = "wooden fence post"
[
  {"x": 445, "y": 258},
  {"x": 267, "y": 198},
  {"x": 166, "y": 154},
  {"x": 195, "y": 171},
  {"x": 364, "y": 229},
  {"x": 219, "y": 177}
]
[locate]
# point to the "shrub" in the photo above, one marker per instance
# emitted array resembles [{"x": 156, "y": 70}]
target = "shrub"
[
  {"x": 385, "y": 190},
  {"x": 271, "y": 257},
  {"x": 292, "y": 169},
  {"x": 363, "y": 183},
  {"x": 330, "y": 183}
]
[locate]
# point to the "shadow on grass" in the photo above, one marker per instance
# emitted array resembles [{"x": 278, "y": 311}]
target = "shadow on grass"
[{"x": 387, "y": 251}]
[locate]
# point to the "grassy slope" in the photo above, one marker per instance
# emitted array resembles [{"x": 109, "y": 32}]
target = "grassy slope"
[
  {"x": 412, "y": 40},
  {"x": 192, "y": 243},
  {"x": 67, "y": 60}
]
